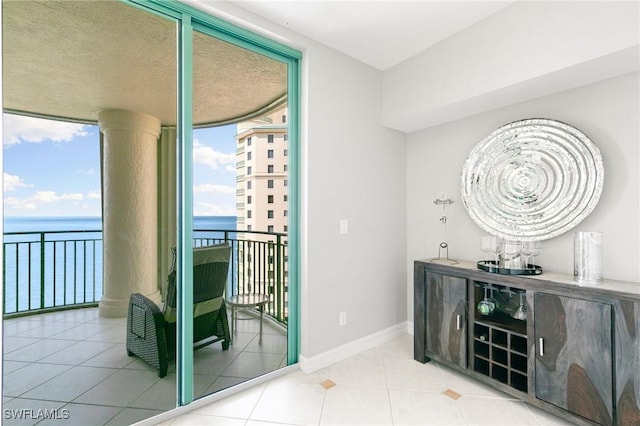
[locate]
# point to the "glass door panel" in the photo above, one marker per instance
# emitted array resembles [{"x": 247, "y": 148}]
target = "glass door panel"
[
  {"x": 103, "y": 74},
  {"x": 240, "y": 178}
]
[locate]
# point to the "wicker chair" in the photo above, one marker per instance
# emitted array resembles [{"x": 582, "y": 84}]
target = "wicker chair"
[{"x": 151, "y": 330}]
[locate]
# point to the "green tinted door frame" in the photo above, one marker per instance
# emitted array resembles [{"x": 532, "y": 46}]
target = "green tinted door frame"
[
  {"x": 189, "y": 19},
  {"x": 184, "y": 215}
]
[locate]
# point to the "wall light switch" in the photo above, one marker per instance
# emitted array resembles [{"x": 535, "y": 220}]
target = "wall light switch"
[{"x": 344, "y": 226}]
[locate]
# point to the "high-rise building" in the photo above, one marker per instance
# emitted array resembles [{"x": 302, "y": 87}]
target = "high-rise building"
[
  {"x": 262, "y": 190},
  {"x": 262, "y": 178}
]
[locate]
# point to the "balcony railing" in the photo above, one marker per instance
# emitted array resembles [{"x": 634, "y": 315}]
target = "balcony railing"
[
  {"x": 47, "y": 270},
  {"x": 258, "y": 265},
  {"x": 53, "y": 270}
]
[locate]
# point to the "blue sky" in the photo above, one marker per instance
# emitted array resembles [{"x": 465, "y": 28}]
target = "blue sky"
[{"x": 53, "y": 169}]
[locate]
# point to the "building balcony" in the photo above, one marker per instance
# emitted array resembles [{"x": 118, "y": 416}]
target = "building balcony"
[
  {"x": 74, "y": 363},
  {"x": 45, "y": 271},
  {"x": 60, "y": 355}
]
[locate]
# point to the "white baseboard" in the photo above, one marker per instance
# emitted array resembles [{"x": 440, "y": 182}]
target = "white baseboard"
[{"x": 325, "y": 359}]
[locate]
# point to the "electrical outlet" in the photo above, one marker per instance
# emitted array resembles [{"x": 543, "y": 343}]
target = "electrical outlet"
[{"x": 343, "y": 318}]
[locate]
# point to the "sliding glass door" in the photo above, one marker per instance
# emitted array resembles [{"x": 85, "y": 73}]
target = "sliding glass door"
[
  {"x": 196, "y": 123},
  {"x": 237, "y": 177}
]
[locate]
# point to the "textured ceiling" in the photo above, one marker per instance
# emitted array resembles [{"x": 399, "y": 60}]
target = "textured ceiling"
[{"x": 71, "y": 59}]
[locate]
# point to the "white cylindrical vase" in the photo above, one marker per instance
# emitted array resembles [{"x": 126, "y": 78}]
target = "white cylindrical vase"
[{"x": 587, "y": 256}]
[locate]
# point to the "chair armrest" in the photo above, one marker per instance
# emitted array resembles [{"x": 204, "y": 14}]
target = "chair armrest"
[
  {"x": 141, "y": 311},
  {"x": 142, "y": 300},
  {"x": 146, "y": 335}
]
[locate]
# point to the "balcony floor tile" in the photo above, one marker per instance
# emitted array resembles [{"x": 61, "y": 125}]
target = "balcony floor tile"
[
  {"x": 77, "y": 353},
  {"x": 37, "y": 350},
  {"x": 76, "y": 360},
  {"x": 70, "y": 385},
  {"x": 27, "y": 378}
]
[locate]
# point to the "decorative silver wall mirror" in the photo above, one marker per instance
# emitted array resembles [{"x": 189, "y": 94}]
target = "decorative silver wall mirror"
[{"x": 528, "y": 181}]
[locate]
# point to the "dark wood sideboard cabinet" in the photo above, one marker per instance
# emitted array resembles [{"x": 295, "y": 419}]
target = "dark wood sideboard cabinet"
[{"x": 576, "y": 354}]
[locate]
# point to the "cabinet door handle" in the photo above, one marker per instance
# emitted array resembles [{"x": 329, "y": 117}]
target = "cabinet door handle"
[
  {"x": 458, "y": 322},
  {"x": 541, "y": 346}
]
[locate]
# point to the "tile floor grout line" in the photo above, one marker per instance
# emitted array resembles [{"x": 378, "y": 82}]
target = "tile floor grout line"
[
  {"x": 386, "y": 383},
  {"x": 46, "y": 381},
  {"x": 93, "y": 387},
  {"x": 324, "y": 395},
  {"x": 538, "y": 420},
  {"x": 264, "y": 389}
]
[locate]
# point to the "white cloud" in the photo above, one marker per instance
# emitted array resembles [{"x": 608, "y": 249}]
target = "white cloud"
[
  {"x": 208, "y": 156},
  {"x": 18, "y": 129},
  {"x": 11, "y": 182},
  {"x": 218, "y": 189},
  {"x": 36, "y": 200},
  {"x": 73, "y": 196}
]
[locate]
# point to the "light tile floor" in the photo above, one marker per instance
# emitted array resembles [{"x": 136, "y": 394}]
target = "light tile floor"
[
  {"x": 76, "y": 361},
  {"x": 383, "y": 386}
]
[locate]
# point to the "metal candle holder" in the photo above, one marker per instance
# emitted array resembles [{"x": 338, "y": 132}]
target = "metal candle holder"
[{"x": 443, "y": 200}]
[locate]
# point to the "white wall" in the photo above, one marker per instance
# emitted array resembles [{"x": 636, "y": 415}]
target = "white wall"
[
  {"x": 607, "y": 111},
  {"x": 353, "y": 168},
  {"x": 355, "y": 172},
  {"x": 526, "y": 50}
]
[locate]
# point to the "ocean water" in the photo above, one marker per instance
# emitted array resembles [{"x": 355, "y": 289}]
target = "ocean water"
[
  {"x": 57, "y": 261},
  {"x": 83, "y": 223}
]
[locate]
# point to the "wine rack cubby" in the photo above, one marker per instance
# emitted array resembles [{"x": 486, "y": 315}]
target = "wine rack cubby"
[{"x": 499, "y": 340}]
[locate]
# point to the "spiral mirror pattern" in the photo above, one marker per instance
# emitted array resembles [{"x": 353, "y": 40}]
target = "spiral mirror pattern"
[{"x": 532, "y": 180}]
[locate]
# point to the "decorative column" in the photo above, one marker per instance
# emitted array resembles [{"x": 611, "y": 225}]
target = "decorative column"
[
  {"x": 130, "y": 209},
  {"x": 166, "y": 203}
]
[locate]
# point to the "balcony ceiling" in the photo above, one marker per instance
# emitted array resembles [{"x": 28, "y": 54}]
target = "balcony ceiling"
[{"x": 71, "y": 59}]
